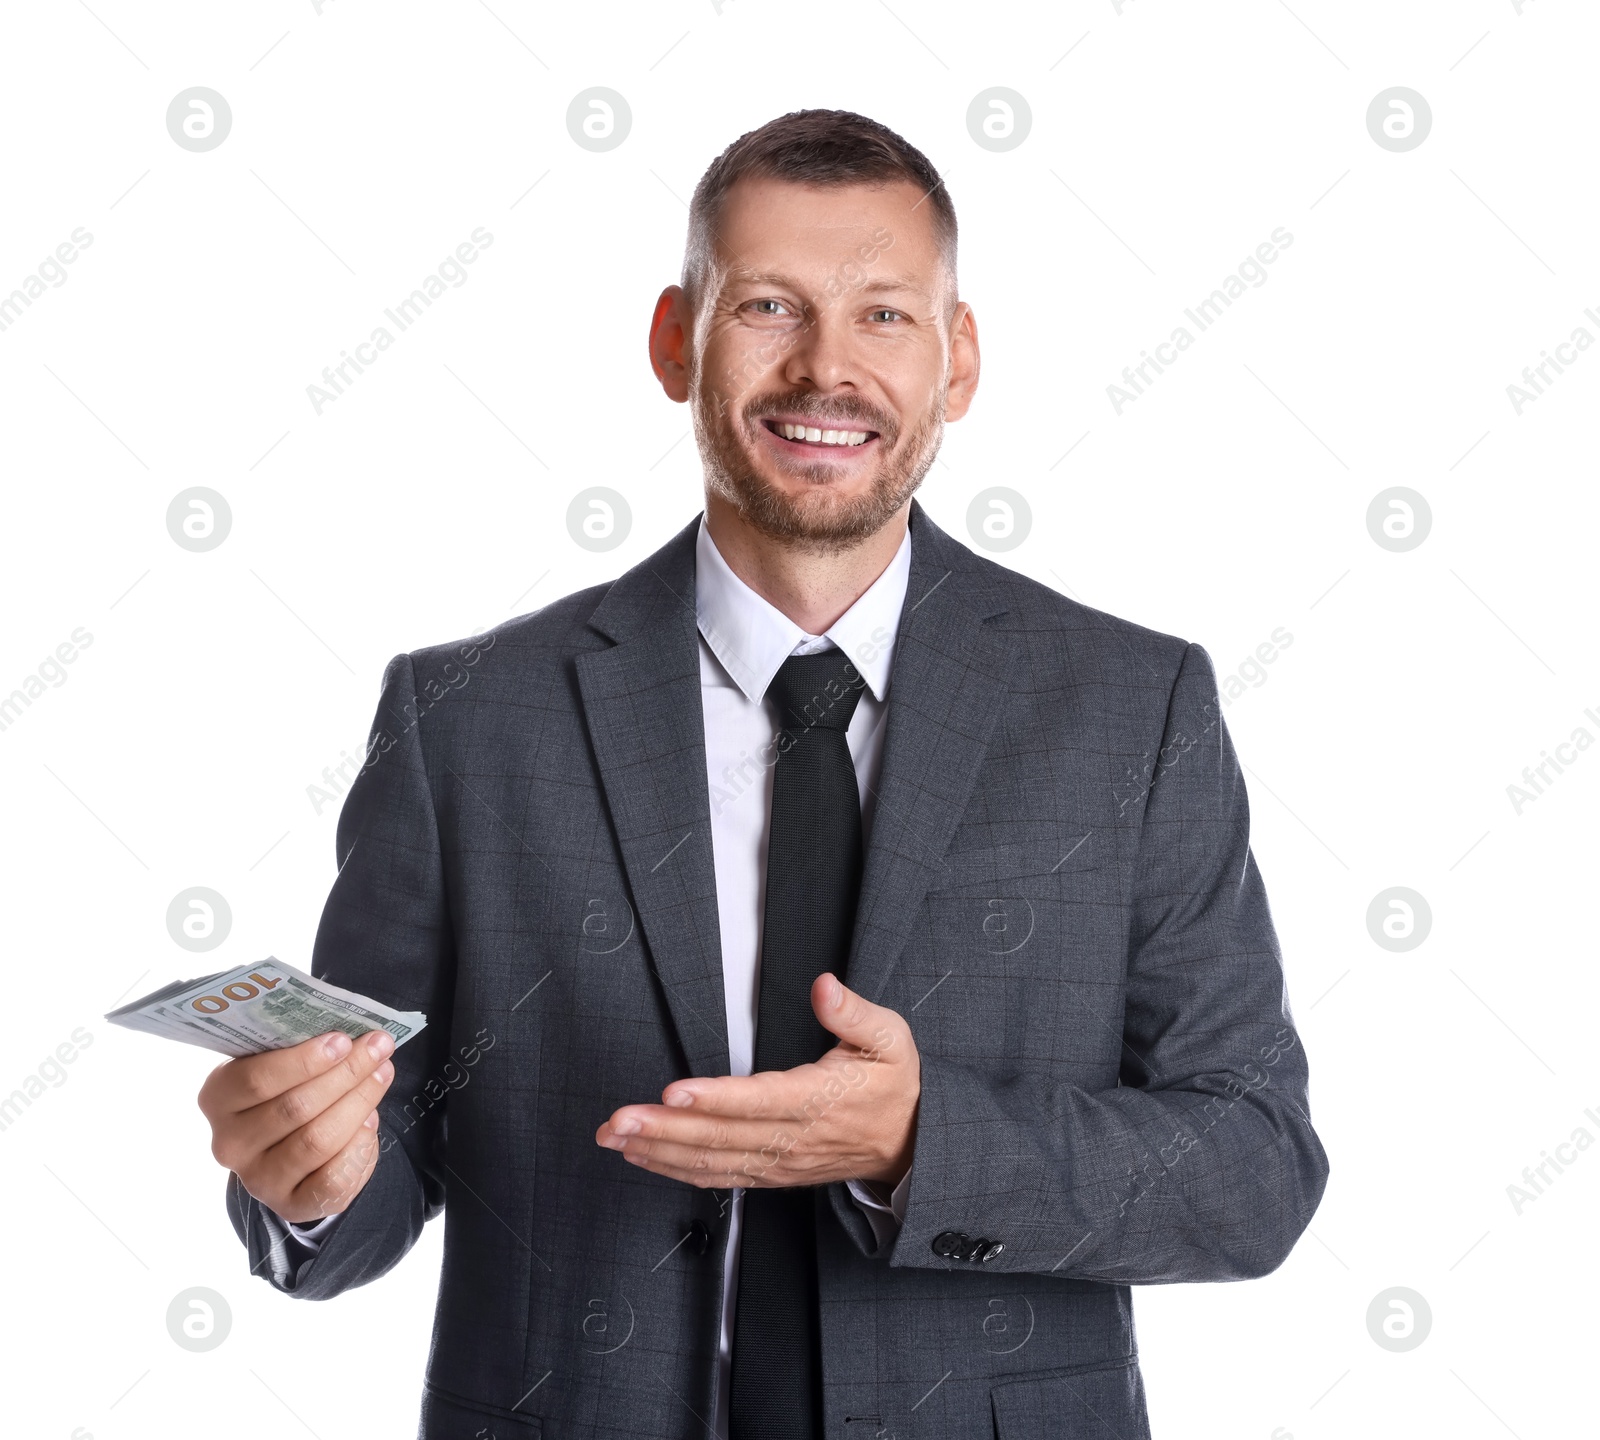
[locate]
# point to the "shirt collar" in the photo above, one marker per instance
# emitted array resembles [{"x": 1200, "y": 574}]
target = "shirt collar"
[{"x": 752, "y": 638}]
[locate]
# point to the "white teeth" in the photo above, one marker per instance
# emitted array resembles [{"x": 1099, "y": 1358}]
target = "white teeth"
[{"x": 814, "y": 436}]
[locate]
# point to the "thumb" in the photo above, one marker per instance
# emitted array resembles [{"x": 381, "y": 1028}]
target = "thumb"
[{"x": 854, "y": 1019}]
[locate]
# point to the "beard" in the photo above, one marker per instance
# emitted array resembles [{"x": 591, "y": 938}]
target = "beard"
[{"x": 818, "y": 519}]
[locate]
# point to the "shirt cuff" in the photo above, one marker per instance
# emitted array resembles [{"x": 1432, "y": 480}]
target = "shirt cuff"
[
  {"x": 311, "y": 1233},
  {"x": 885, "y": 1219},
  {"x": 291, "y": 1247}
]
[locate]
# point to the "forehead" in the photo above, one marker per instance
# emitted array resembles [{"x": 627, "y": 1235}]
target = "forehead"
[{"x": 770, "y": 226}]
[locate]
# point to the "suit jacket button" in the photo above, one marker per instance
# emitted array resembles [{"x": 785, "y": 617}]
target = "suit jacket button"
[
  {"x": 699, "y": 1239},
  {"x": 990, "y": 1250},
  {"x": 949, "y": 1243}
]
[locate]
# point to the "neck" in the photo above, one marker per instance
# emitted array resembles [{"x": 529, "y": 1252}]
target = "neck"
[{"x": 812, "y": 588}]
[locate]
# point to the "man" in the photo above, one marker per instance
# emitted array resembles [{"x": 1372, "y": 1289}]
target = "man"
[{"x": 845, "y": 966}]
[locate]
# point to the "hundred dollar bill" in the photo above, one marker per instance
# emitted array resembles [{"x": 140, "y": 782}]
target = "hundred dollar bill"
[{"x": 264, "y": 1006}]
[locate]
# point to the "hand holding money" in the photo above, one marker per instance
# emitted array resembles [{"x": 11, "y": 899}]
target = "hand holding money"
[
  {"x": 294, "y": 1115},
  {"x": 299, "y": 1127}
]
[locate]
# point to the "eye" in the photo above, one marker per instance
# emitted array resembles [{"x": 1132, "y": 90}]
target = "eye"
[
  {"x": 769, "y": 307},
  {"x": 884, "y": 317}
]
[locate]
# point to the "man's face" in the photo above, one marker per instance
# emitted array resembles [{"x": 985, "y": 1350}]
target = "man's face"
[{"x": 827, "y": 352}]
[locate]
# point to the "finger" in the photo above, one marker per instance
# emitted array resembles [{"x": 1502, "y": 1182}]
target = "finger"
[
  {"x": 774, "y": 1156},
  {"x": 635, "y": 1125},
  {"x": 766, "y": 1095},
  {"x": 330, "y": 1189},
  {"x": 365, "y": 1074},
  {"x": 853, "y": 1018},
  {"x": 756, "y": 1175},
  {"x": 307, "y": 1149},
  {"x": 720, "y": 1168},
  {"x": 779, "y": 1096},
  {"x": 247, "y": 1082},
  {"x": 700, "y": 1182}
]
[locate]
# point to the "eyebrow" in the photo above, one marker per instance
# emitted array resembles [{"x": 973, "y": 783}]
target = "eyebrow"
[{"x": 738, "y": 276}]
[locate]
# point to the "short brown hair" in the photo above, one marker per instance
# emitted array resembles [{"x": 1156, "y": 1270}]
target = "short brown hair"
[{"x": 814, "y": 147}]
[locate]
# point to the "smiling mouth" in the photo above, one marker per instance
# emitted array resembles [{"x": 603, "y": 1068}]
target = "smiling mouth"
[{"x": 817, "y": 436}]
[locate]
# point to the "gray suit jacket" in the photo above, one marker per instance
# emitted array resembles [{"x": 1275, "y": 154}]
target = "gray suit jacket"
[{"x": 1058, "y": 895}]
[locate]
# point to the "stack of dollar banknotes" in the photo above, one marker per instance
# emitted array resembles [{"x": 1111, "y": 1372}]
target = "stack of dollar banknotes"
[{"x": 265, "y": 1006}]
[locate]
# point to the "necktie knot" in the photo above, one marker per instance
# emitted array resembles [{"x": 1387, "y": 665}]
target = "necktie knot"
[{"x": 817, "y": 692}]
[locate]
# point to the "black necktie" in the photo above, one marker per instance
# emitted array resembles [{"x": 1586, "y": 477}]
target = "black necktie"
[{"x": 813, "y": 880}]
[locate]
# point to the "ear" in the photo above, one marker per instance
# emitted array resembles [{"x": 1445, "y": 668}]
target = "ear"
[
  {"x": 670, "y": 328},
  {"x": 964, "y": 362}
]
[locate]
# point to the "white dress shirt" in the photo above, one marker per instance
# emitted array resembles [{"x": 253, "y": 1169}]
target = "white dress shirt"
[{"x": 743, "y": 641}]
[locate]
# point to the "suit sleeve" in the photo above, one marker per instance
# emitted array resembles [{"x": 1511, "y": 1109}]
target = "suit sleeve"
[
  {"x": 385, "y": 932},
  {"x": 1201, "y": 1164}
]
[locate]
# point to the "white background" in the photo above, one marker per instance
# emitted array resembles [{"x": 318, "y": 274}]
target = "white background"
[{"x": 429, "y": 501}]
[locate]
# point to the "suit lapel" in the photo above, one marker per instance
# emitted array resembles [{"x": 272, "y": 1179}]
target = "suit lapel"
[
  {"x": 641, "y": 701},
  {"x": 949, "y": 682}
]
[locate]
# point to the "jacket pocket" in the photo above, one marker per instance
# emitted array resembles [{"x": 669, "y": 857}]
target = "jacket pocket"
[
  {"x": 453, "y": 1417},
  {"x": 1101, "y": 1403}
]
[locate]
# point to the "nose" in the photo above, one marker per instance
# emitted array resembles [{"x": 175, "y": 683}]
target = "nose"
[{"x": 824, "y": 356}]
